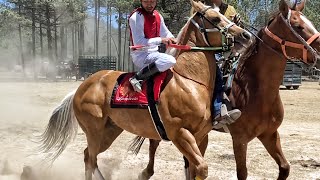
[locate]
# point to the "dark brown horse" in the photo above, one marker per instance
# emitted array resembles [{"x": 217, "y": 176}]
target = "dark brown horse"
[
  {"x": 184, "y": 104},
  {"x": 256, "y": 84}
]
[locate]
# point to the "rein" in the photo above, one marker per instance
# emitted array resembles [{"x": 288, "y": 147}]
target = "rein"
[
  {"x": 190, "y": 48},
  {"x": 178, "y": 46},
  {"x": 226, "y": 39}
]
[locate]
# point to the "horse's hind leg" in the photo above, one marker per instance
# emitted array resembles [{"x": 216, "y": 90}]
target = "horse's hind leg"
[
  {"x": 149, "y": 170},
  {"x": 98, "y": 141},
  {"x": 272, "y": 143}
]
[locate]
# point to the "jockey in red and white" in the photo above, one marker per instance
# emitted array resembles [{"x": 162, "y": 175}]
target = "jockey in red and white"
[{"x": 147, "y": 28}]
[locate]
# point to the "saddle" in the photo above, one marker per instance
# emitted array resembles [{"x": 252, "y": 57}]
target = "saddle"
[{"x": 123, "y": 96}]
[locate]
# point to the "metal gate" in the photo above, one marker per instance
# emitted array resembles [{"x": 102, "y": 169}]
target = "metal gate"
[
  {"x": 91, "y": 64},
  {"x": 292, "y": 75}
]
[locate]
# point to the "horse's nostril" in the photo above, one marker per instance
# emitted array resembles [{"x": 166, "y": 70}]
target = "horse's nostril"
[{"x": 246, "y": 35}]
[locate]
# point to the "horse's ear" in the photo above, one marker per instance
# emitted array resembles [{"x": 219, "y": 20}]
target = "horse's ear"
[
  {"x": 300, "y": 5},
  {"x": 297, "y": 5},
  {"x": 197, "y": 6},
  {"x": 284, "y": 8}
]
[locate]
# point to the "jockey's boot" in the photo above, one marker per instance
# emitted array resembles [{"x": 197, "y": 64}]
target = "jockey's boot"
[
  {"x": 226, "y": 118},
  {"x": 227, "y": 115},
  {"x": 143, "y": 74}
]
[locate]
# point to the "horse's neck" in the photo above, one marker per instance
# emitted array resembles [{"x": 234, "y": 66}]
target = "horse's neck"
[
  {"x": 272, "y": 62},
  {"x": 196, "y": 65},
  {"x": 260, "y": 75}
]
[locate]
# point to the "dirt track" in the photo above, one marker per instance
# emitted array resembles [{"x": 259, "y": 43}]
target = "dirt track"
[{"x": 26, "y": 106}]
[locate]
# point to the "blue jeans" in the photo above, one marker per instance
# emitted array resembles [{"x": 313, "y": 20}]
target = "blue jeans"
[{"x": 218, "y": 92}]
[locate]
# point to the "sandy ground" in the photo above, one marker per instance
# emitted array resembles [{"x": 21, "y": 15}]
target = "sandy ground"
[{"x": 26, "y": 106}]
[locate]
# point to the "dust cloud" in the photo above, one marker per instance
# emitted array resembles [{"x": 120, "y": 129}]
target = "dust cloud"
[{"x": 25, "y": 107}]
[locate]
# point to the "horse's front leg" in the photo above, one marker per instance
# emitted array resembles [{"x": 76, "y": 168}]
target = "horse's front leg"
[
  {"x": 191, "y": 172},
  {"x": 149, "y": 170},
  {"x": 271, "y": 139},
  {"x": 187, "y": 145},
  {"x": 240, "y": 154}
]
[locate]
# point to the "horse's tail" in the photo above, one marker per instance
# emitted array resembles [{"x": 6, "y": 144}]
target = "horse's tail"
[
  {"x": 136, "y": 144},
  {"x": 61, "y": 130}
]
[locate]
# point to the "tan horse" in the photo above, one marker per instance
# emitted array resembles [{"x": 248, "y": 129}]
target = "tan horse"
[
  {"x": 184, "y": 104},
  {"x": 256, "y": 87}
]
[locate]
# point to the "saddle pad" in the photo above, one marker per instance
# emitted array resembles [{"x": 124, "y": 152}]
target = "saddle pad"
[{"x": 123, "y": 95}]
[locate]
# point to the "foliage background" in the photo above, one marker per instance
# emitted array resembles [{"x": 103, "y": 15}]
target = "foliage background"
[{"x": 33, "y": 31}]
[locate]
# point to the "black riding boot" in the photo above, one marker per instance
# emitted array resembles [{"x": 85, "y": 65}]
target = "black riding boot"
[{"x": 142, "y": 75}]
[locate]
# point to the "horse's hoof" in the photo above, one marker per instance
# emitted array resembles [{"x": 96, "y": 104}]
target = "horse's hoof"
[
  {"x": 144, "y": 175},
  {"x": 27, "y": 173}
]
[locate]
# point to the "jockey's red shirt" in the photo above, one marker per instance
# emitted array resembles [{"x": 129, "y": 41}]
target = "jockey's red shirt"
[{"x": 151, "y": 23}]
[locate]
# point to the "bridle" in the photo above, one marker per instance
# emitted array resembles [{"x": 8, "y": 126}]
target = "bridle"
[
  {"x": 227, "y": 38},
  {"x": 304, "y": 45}
]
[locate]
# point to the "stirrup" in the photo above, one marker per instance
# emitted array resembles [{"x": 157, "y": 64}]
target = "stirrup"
[
  {"x": 225, "y": 117},
  {"x": 135, "y": 84}
]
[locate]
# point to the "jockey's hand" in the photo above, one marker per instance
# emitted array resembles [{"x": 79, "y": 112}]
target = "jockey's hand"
[
  {"x": 166, "y": 41},
  {"x": 173, "y": 40}
]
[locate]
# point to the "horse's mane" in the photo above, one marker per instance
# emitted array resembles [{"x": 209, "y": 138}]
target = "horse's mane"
[
  {"x": 253, "y": 47},
  {"x": 272, "y": 16}
]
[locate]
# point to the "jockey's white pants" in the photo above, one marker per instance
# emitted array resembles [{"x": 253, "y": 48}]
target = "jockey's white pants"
[{"x": 163, "y": 61}]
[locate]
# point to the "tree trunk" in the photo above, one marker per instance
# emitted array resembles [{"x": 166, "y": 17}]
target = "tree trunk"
[
  {"x": 163, "y": 4},
  {"x": 266, "y": 12},
  {"x": 120, "y": 67},
  {"x": 96, "y": 26},
  {"x": 124, "y": 59},
  {"x": 20, "y": 41},
  {"x": 33, "y": 34},
  {"x": 76, "y": 40},
  {"x": 81, "y": 38},
  {"x": 109, "y": 33},
  {"x": 56, "y": 38},
  {"x": 63, "y": 52},
  {"x": 73, "y": 42},
  {"x": 41, "y": 39},
  {"x": 49, "y": 35}
]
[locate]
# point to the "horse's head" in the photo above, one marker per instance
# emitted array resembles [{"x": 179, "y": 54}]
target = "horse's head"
[
  {"x": 215, "y": 30},
  {"x": 295, "y": 31}
]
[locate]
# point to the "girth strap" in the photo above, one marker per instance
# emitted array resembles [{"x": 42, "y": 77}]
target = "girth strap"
[{"x": 153, "y": 109}]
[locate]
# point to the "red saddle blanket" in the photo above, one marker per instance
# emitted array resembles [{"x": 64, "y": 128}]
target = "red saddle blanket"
[{"x": 124, "y": 96}]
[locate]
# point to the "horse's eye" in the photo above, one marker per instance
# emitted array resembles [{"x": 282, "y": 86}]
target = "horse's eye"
[
  {"x": 298, "y": 27},
  {"x": 216, "y": 20}
]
